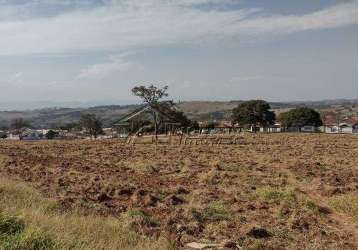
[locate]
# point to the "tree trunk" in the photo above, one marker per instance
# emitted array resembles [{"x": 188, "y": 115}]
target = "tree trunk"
[{"x": 155, "y": 127}]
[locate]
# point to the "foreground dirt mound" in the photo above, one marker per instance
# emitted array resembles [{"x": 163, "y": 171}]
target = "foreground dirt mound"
[{"x": 271, "y": 191}]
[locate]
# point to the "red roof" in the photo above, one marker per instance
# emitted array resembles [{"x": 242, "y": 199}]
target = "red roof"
[
  {"x": 353, "y": 120},
  {"x": 330, "y": 119}
]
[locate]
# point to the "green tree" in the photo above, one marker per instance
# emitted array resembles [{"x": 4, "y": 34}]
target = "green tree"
[
  {"x": 299, "y": 117},
  {"x": 253, "y": 113},
  {"x": 151, "y": 95},
  {"x": 168, "y": 109},
  {"x": 194, "y": 125},
  {"x": 3, "y": 135},
  {"x": 91, "y": 124},
  {"x": 50, "y": 135}
]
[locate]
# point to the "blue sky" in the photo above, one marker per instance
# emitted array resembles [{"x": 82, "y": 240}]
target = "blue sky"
[{"x": 94, "y": 51}]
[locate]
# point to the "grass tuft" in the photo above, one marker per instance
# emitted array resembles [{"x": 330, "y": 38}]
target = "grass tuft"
[
  {"x": 347, "y": 203},
  {"x": 35, "y": 239},
  {"x": 277, "y": 195},
  {"x": 149, "y": 220},
  {"x": 217, "y": 211},
  {"x": 10, "y": 225},
  {"x": 16, "y": 236},
  {"x": 287, "y": 197}
]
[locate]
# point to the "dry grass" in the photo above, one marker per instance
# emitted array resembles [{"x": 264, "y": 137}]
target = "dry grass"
[
  {"x": 347, "y": 204},
  {"x": 29, "y": 221}
]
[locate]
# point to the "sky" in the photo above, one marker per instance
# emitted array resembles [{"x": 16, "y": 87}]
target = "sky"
[{"x": 67, "y": 52}]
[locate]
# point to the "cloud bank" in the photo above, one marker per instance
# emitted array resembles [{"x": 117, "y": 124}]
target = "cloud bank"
[{"x": 111, "y": 25}]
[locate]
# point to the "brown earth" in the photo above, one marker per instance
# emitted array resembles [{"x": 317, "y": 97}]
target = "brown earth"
[{"x": 270, "y": 191}]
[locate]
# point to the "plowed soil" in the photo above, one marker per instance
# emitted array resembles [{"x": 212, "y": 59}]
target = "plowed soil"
[{"x": 270, "y": 191}]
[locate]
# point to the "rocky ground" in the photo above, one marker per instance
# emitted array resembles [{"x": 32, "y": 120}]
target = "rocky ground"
[{"x": 282, "y": 191}]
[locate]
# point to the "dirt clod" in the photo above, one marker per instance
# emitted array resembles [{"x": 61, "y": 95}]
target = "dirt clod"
[{"x": 259, "y": 233}]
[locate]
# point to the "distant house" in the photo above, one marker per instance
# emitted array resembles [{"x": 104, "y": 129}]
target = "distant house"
[
  {"x": 347, "y": 125},
  {"x": 331, "y": 129},
  {"x": 108, "y": 133},
  {"x": 303, "y": 129},
  {"x": 348, "y": 128},
  {"x": 276, "y": 128},
  {"x": 140, "y": 120},
  {"x": 330, "y": 123},
  {"x": 13, "y": 137}
]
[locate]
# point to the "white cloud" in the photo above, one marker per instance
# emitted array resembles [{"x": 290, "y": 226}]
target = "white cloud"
[
  {"x": 125, "y": 24},
  {"x": 236, "y": 79},
  {"x": 116, "y": 64},
  {"x": 332, "y": 17}
]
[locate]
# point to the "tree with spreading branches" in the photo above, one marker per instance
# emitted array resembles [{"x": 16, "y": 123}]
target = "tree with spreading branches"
[{"x": 151, "y": 95}]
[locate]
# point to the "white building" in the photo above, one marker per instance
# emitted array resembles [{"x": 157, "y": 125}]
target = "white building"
[
  {"x": 276, "y": 128},
  {"x": 346, "y": 128},
  {"x": 309, "y": 129}
]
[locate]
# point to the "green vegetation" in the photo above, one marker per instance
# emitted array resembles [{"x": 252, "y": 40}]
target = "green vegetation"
[
  {"x": 286, "y": 196},
  {"x": 151, "y": 95},
  {"x": 300, "y": 117},
  {"x": 14, "y": 235},
  {"x": 29, "y": 221},
  {"x": 10, "y": 225},
  {"x": 277, "y": 195},
  {"x": 51, "y": 134},
  {"x": 66, "y": 118},
  {"x": 253, "y": 113},
  {"x": 161, "y": 110},
  {"x": 147, "y": 219},
  {"x": 347, "y": 204},
  {"x": 217, "y": 211}
]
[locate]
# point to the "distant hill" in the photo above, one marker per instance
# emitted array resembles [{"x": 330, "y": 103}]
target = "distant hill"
[
  {"x": 52, "y": 117},
  {"x": 197, "y": 110}
]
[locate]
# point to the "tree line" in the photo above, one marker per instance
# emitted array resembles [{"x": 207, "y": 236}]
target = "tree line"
[{"x": 258, "y": 113}]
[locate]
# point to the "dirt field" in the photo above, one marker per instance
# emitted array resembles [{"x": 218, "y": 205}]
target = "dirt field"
[{"x": 282, "y": 191}]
